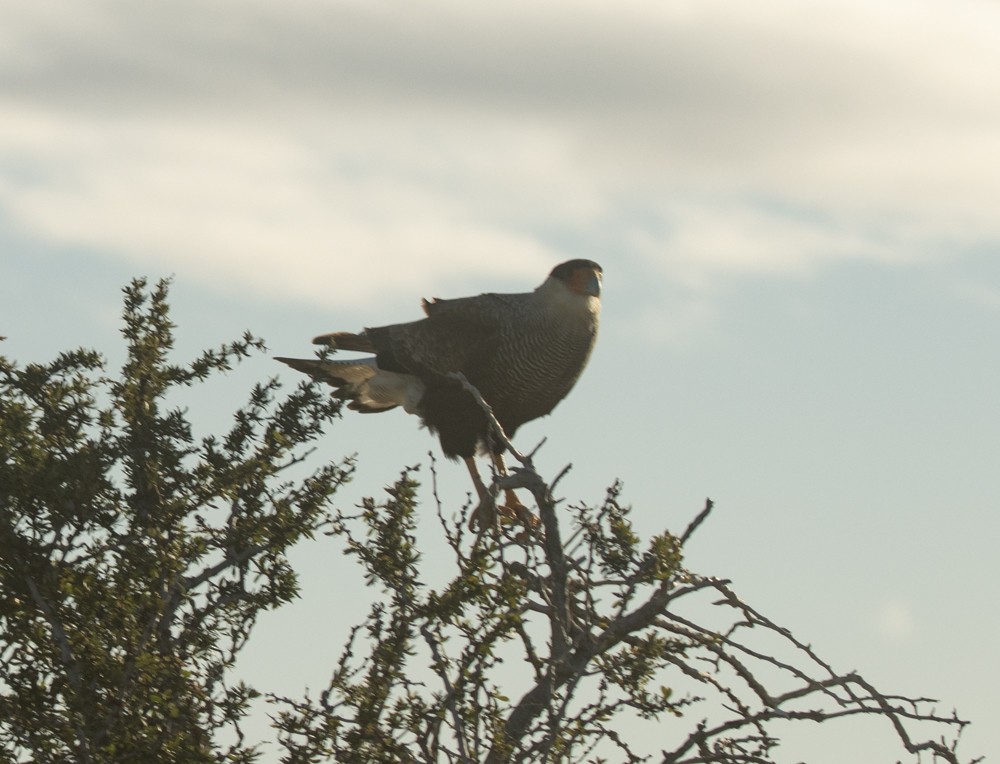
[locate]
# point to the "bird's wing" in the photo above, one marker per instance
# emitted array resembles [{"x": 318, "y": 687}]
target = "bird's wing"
[{"x": 456, "y": 335}]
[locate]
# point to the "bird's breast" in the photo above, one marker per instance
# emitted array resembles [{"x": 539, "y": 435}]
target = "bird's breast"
[{"x": 535, "y": 367}]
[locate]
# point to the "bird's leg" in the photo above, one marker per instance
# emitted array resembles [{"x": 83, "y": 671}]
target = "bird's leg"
[
  {"x": 513, "y": 509},
  {"x": 484, "y": 514}
]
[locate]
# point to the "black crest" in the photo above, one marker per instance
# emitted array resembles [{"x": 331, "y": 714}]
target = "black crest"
[{"x": 563, "y": 270}]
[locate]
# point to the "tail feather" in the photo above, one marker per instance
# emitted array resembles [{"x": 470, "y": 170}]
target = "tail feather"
[
  {"x": 368, "y": 388},
  {"x": 346, "y": 341}
]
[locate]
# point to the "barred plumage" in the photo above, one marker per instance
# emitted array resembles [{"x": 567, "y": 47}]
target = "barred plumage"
[{"x": 523, "y": 352}]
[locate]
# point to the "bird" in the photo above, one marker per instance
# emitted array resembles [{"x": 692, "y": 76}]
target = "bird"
[{"x": 523, "y": 353}]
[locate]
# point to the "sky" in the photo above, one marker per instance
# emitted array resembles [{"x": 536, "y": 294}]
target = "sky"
[{"x": 796, "y": 204}]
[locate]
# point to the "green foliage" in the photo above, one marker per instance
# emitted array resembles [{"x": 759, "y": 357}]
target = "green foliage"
[{"x": 134, "y": 559}]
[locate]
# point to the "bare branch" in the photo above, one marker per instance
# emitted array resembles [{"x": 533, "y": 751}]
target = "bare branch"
[{"x": 693, "y": 526}]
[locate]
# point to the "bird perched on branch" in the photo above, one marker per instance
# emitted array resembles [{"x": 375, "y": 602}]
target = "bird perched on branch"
[{"x": 522, "y": 352}]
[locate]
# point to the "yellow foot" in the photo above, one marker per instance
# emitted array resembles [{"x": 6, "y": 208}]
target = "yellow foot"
[
  {"x": 519, "y": 515},
  {"x": 510, "y": 514}
]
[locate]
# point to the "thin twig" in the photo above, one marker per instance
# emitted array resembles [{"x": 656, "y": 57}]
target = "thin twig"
[
  {"x": 449, "y": 699},
  {"x": 698, "y": 520}
]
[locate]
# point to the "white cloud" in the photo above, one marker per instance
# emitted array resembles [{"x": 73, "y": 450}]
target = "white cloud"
[
  {"x": 245, "y": 208},
  {"x": 712, "y": 238},
  {"x": 292, "y": 149}
]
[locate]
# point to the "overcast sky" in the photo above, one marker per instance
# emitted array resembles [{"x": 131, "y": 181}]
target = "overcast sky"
[{"x": 796, "y": 204}]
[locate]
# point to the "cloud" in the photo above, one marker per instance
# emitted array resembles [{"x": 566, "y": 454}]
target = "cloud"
[
  {"x": 291, "y": 150},
  {"x": 243, "y": 208}
]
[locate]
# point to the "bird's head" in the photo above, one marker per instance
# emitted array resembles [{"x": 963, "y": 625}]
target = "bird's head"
[{"x": 581, "y": 277}]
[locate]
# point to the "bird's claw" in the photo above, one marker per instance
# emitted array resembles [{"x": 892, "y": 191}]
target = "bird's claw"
[{"x": 513, "y": 513}]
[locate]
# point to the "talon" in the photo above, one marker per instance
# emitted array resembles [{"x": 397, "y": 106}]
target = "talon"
[
  {"x": 518, "y": 513},
  {"x": 514, "y": 512},
  {"x": 487, "y": 513}
]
